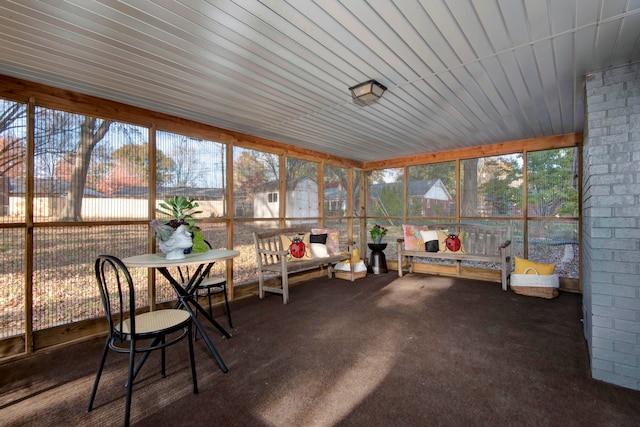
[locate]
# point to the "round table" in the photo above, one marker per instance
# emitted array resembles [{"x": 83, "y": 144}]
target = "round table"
[{"x": 377, "y": 260}]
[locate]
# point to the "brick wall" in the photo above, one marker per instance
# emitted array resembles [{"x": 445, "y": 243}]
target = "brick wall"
[{"x": 611, "y": 225}]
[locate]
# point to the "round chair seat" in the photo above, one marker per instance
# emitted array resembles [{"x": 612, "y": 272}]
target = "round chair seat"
[{"x": 156, "y": 321}]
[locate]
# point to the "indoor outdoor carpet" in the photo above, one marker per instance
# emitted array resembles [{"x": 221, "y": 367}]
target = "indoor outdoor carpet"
[{"x": 417, "y": 351}]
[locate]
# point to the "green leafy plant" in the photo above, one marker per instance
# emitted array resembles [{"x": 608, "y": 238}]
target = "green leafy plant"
[
  {"x": 179, "y": 208},
  {"x": 181, "y": 211},
  {"x": 378, "y": 230}
]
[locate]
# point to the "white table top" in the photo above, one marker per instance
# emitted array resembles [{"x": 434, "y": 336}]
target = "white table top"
[{"x": 159, "y": 260}]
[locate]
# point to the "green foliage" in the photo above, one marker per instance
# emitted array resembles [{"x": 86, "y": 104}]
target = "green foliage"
[
  {"x": 551, "y": 189},
  {"x": 179, "y": 208},
  {"x": 378, "y": 230},
  {"x": 392, "y": 200},
  {"x": 198, "y": 242},
  {"x": 499, "y": 190}
]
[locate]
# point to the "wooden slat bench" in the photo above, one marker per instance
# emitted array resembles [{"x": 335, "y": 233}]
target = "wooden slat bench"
[
  {"x": 272, "y": 258},
  {"x": 483, "y": 243}
]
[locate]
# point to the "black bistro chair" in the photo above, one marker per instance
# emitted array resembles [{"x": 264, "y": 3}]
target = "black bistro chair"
[
  {"x": 209, "y": 286},
  {"x": 133, "y": 333}
]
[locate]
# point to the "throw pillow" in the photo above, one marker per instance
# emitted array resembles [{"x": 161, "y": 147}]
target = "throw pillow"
[
  {"x": 430, "y": 238},
  {"x": 299, "y": 247},
  {"x": 318, "y": 238},
  {"x": 333, "y": 239},
  {"x": 542, "y": 269},
  {"x": 356, "y": 256},
  {"x": 412, "y": 238},
  {"x": 319, "y": 250},
  {"x": 442, "y": 242}
]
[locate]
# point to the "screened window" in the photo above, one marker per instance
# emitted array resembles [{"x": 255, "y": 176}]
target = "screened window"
[
  {"x": 245, "y": 270},
  {"x": 193, "y": 168},
  {"x": 356, "y": 194},
  {"x": 552, "y": 183},
  {"x": 336, "y": 185},
  {"x": 492, "y": 186},
  {"x": 12, "y": 208},
  {"x": 255, "y": 180},
  {"x": 432, "y": 190},
  {"x": 385, "y": 191},
  {"x": 302, "y": 188},
  {"x": 552, "y": 209}
]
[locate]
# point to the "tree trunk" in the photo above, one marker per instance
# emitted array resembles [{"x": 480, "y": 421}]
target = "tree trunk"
[
  {"x": 470, "y": 188},
  {"x": 89, "y": 138}
]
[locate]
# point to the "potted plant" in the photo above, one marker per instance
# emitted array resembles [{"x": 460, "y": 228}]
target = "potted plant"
[
  {"x": 377, "y": 233},
  {"x": 181, "y": 212}
]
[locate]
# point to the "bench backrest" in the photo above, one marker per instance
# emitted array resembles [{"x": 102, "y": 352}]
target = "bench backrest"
[
  {"x": 479, "y": 239},
  {"x": 269, "y": 240}
]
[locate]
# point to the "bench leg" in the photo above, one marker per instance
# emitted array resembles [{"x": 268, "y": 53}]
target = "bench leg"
[
  {"x": 260, "y": 284},
  {"x": 505, "y": 275},
  {"x": 285, "y": 288}
]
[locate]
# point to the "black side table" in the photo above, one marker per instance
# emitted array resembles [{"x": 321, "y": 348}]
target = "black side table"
[{"x": 377, "y": 260}]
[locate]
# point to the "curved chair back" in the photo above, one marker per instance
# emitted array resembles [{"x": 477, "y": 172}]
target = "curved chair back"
[{"x": 117, "y": 292}]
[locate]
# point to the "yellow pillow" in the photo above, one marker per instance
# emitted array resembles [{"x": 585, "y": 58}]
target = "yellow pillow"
[
  {"x": 356, "y": 256},
  {"x": 542, "y": 269},
  {"x": 301, "y": 251}
]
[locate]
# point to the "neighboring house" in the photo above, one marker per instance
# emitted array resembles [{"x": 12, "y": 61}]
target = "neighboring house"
[
  {"x": 301, "y": 199},
  {"x": 430, "y": 196},
  {"x": 335, "y": 200},
  {"x": 433, "y": 196}
]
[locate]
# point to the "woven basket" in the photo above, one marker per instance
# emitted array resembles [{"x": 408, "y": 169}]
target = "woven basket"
[{"x": 535, "y": 285}]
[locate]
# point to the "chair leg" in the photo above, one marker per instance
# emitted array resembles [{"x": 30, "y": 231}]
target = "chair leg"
[
  {"x": 226, "y": 303},
  {"x": 195, "y": 330},
  {"x": 127, "y": 410},
  {"x": 193, "y": 360},
  {"x": 163, "y": 370},
  {"x": 209, "y": 296},
  {"x": 98, "y": 375}
]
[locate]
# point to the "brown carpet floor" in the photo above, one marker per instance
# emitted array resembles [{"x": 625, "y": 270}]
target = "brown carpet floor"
[{"x": 383, "y": 351}]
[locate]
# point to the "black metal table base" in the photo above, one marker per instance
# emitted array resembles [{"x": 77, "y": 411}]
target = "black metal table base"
[
  {"x": 187, "y": 299},
  {"x": 377, "y": 259}
]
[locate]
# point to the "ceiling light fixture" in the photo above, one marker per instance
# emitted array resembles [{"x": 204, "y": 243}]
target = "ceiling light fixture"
[{"x": 367, "y": 92}]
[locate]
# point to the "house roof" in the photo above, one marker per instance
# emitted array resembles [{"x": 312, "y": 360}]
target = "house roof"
[
  {"x": 459, "y": 74},
  {"x": 417, "y": 188},
  {"x": 47, "y": 187}
]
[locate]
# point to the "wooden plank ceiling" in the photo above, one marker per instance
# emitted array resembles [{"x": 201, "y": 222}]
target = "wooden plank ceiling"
[{"x": 460, "y": 74}]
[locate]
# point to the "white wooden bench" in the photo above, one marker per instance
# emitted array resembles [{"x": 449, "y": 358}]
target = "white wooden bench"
[
  {"x": 483, "y": 243},
  {"x": 272, "y": 258}
]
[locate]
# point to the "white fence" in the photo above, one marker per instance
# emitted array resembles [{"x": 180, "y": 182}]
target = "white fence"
[{"x": 102, "y": 208}]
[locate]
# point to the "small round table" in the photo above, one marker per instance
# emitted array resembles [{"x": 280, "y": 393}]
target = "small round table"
[{"x": 377, "y": 260}]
